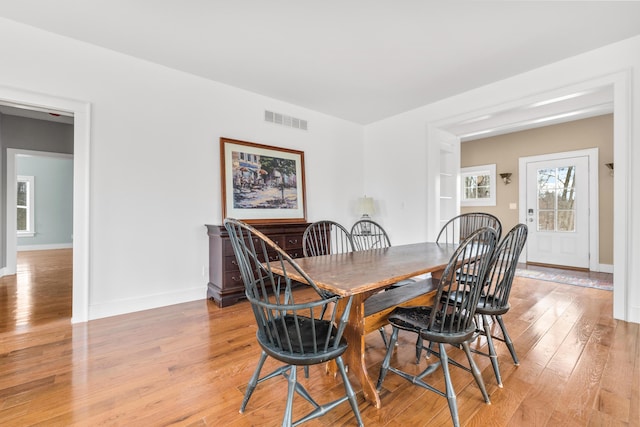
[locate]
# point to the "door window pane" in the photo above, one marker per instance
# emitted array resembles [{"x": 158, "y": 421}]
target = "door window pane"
[
  {"x": 566, "y": 221},
  {"x": 556, "y": 199},
  {"x": 566, "y": 198},
  {"x": 546, "y": 179},
  {"x": 546, "y": 221},
  {"x": 566, "y": 177},
  {"x": 546, "y": 199}
]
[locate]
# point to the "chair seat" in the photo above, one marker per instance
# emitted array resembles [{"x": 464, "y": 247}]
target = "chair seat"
[
  {"x": 303, "y": 351},
  {"x": 489, "y": 305},
  {"x": 418, "y": 319}
]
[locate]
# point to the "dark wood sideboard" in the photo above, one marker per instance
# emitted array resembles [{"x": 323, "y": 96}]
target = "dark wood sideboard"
[{"x": 225, "y": 285}]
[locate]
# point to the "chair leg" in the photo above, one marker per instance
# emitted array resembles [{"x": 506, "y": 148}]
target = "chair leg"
[
  {"x": 350, "y": 393},
  {"x": 449, "y": 391},
  {"x": 475, "y": 371},
  {"x": 387, "y": 358},
  {"x": 253, "y": 382},
  {"x": 419, "y": 344},
  {"x": 493, "y": 356},
  {"x": 384, "y": 336},
  {"x": 507, "y": 340},
  {"x": 288, "y": 412}
]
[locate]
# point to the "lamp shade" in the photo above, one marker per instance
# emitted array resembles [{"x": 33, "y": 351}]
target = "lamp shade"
[{"x": 366, "y": 205}]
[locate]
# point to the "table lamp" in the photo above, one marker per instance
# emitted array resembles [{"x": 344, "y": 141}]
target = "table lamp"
[{"x": 366, "y": 208}]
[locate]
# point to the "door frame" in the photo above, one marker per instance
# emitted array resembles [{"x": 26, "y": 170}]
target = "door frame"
[
  {"x": 594, "y": 217},
  {"x": 81, "y": 187}
]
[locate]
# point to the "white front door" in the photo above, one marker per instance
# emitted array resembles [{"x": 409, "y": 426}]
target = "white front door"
[{"x": 557, "y": 211}]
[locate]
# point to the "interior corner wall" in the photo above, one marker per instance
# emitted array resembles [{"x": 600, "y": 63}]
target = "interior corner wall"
[{"x": 155, "y": 161}]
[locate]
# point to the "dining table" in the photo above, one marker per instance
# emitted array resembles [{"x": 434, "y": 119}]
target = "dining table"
[{"x": 361, "y": 274}]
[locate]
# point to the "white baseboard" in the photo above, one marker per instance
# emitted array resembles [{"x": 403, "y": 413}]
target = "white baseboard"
[
  {"x": 606, "y": 268},
  {"x": 44, "y": 247},
  {"x": 116, "y": 308},
  {"x": 3, "y": 272}
]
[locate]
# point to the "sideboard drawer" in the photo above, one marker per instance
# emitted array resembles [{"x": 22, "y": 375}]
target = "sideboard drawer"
[
  {"x": 293, "y": 242},
  {"x": 231, "y": 263}
]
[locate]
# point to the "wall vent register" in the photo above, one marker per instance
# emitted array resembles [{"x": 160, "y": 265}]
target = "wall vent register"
[{"x": 284, "y": 120}]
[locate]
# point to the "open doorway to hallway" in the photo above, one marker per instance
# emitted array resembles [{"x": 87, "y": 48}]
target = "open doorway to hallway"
[
  {"x": 81, "y": 112},
  {"x": 38, "y": 148}
]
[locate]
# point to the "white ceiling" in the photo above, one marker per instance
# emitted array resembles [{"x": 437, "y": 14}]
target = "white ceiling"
[{"x": 360, "y": 60}]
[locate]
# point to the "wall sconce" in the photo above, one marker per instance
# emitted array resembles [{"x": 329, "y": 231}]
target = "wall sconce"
[
  {"x": 610, "y": 166},
  {"x": 506, "y": 178}
]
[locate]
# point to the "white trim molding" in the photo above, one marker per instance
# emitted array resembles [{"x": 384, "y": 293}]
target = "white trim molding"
[{"x": 46, "y": 247}]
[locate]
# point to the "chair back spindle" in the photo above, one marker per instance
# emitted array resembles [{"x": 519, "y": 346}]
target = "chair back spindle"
[
  {"x": 368, "y": 234},
  {"x": 461, "y": 226},
  {"x": 326, "y": 238}
]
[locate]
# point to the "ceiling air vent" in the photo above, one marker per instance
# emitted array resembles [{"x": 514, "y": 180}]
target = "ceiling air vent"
[{"x": 284, "y": 120}]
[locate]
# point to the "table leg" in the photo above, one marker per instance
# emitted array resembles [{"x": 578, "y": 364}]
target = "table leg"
[{"x": 354, "y": 355}]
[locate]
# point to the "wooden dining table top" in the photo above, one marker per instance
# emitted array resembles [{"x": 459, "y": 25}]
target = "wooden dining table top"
[{"x": 369, "y": 270}]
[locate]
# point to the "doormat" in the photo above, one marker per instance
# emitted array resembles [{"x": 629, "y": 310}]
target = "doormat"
[{"x": 567, "y": 278}]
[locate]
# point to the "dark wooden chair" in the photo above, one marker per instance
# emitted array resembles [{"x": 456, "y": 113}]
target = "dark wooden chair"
[
  {"x": 494, "y": 300},
  {"x": 459, "y": 227},
  {"x": 448, "y": 321},
  {"x": 368, "y": 234},
  {"x": 325, "y": 238},
  {"x": 456, "y": 230},
  {"x": 296, "y": 333}
]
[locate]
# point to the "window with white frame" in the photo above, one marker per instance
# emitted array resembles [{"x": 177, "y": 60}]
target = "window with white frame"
[
  {"x": 478, "y": 185},
  {"x": 25, "y": 206}
]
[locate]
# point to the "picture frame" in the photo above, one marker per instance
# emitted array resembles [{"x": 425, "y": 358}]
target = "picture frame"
[{"x": 262, "y": 184}]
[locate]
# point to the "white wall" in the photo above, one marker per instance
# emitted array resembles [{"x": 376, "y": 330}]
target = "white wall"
[
  {"x": 407, "y": 134},
  {"x": 53, "y": 201},
  {"x": 155, "y": 166}
]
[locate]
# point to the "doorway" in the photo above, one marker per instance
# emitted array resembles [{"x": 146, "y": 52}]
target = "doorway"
[
  {"x": 619, "y": 82},
  {"x": 81, "y": 112},
  {"x": 559, "y": 199},
  {"x": 558, "y": 194},
  {"x": 44, "y": 233}
]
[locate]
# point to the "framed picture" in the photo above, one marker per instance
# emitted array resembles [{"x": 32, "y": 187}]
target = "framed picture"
[{"x": 262, "y": 184}]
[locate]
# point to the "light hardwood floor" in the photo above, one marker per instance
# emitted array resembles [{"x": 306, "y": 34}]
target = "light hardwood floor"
[{"x": 189, "y": 364}]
